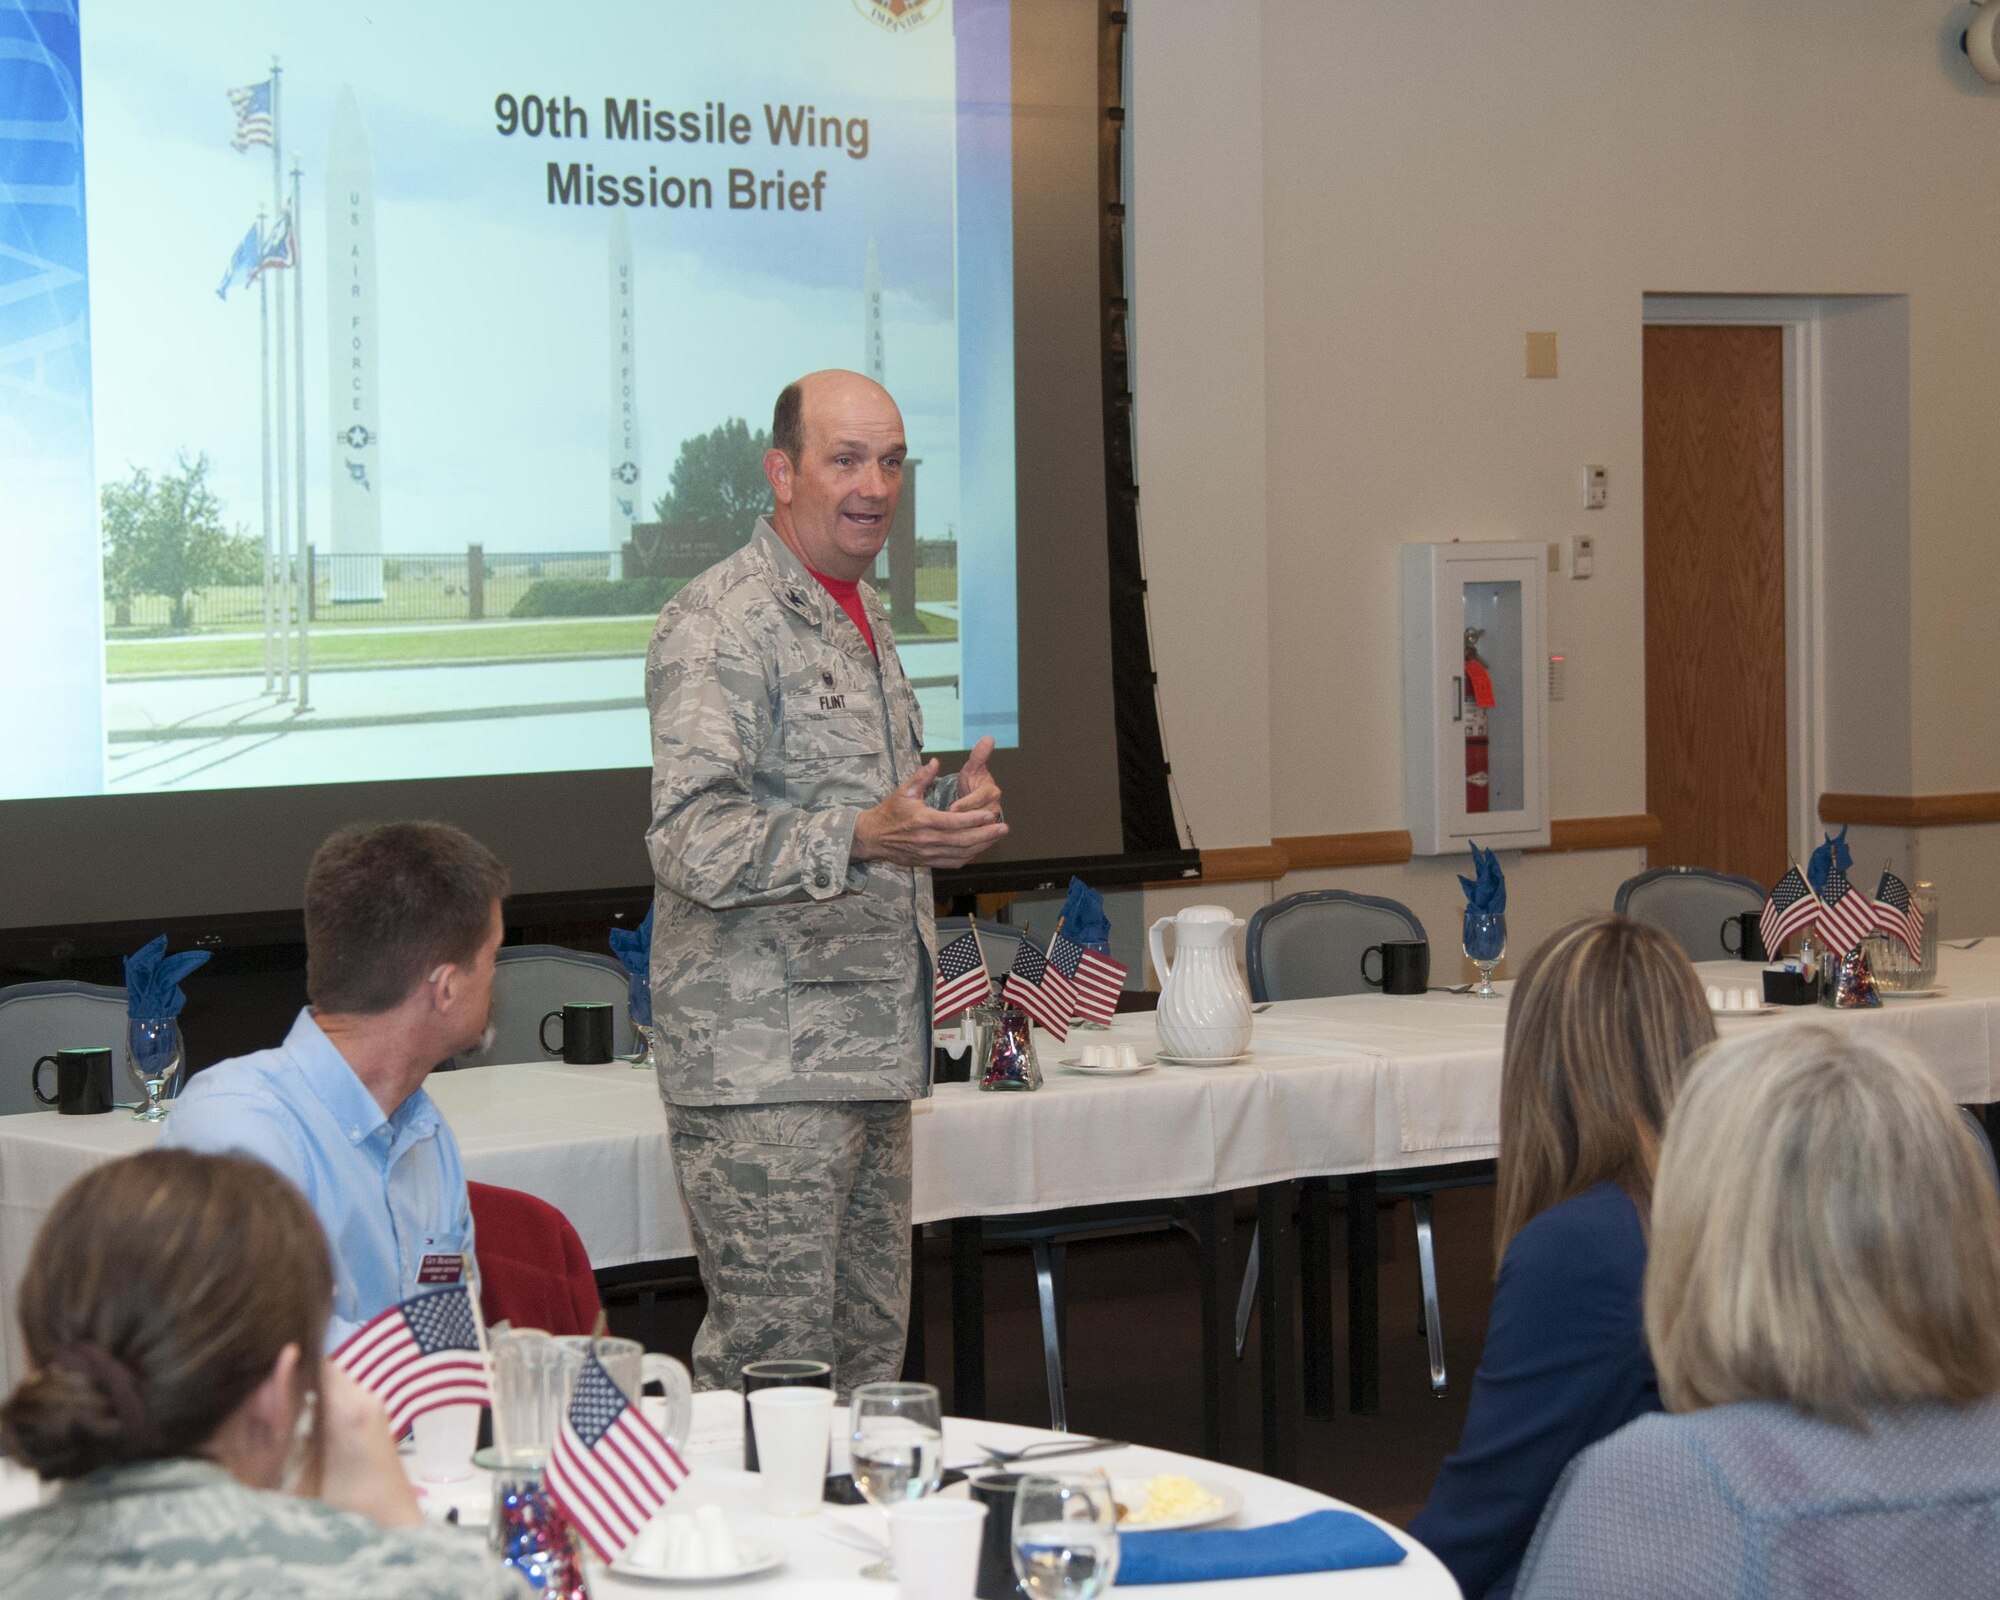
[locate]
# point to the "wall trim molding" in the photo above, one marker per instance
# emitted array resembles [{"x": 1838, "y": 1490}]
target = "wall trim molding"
[
  {"x": 1318, "y": 852},
  {"x": 1601, "y": 833},
  {"x": 1911, "y": 810}
]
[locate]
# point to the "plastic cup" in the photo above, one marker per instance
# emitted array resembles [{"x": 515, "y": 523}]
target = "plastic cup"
[
  {"x": 445, "y": 1440},
  {"x": 793, "y": 1427},
  {"x": 936, "y": 1545}
]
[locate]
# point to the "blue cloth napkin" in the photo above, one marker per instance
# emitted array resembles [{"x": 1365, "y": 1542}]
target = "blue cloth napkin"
[
  {"x": 634, "y": 949},
  {"x": 1485, "y": 892},
  {"x": 1083, "y": 917},
  {"x": 1832, "y": 853},
  {"x": 153, "y": 980},
  {"x": 1320, "y": 1541}
]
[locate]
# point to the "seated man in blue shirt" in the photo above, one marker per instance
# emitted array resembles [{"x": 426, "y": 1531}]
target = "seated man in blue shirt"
[{"x": 402, "y": 923}]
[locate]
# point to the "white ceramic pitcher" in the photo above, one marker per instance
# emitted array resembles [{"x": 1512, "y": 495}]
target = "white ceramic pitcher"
[{"x": 1204, "y": 1010}]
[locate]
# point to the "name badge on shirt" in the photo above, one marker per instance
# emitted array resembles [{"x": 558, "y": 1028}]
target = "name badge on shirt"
[{"x": 441, "y": 1269}]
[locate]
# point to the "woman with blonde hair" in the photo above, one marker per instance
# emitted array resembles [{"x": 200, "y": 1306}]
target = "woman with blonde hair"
[
  {"x": 174, "y": 1309},
  {"x": 1602, "y": 1022},
  {"x": 1824, "y": 1309}
]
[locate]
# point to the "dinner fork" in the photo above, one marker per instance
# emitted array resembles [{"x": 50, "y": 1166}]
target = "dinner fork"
[{"x": 1047, "y": 1448}]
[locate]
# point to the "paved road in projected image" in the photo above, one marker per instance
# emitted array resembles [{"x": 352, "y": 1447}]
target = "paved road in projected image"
[{"x": 412, "y": 722}]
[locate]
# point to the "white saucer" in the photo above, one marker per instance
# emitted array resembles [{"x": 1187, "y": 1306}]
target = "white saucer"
[
  {"x": 1075, "y": 1064},
  {"x": 1910, "y": 994},
  {"x": 1203, "y": 1061},
  {"x": 1743, "y": 1011},
  {"x": 758, "y": 1555}
]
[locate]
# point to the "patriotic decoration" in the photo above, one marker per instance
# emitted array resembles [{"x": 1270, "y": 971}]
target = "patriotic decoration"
[
  {"x": 253, "y": 115},
  {"x": 1847, "y": 915},
  {"x": 1793, "y": 906},
  {"x": 1038, "y": 989},
  {"x": 1095, "y": 981},
  {"x": 610, "y": 1469},
  {"x": 419, "y": 1355},
  {"x": 1899, "y": 915},
  {"x": 961, "y": 979},
  {"x": 279, "y": 250},
  {"x": 242, "y": 265}
]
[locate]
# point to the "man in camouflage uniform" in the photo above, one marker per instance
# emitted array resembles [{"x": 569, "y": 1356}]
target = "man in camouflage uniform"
[{"x": 795, "y": 825}]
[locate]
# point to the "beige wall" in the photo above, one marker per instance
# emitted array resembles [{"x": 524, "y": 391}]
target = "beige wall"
[{"x": 1347, "y": 217}]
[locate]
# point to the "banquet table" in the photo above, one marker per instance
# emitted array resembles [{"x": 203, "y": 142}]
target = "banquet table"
[
  {"x": 819, "y": 1564},
  {"x": 1351, "y": 1085}
]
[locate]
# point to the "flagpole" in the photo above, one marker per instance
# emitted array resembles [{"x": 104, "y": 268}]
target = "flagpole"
[
  {"x": 299, "y": 590},
  {"x": 280, "y": 418},
  {"x": 264, "y": 416},
  {"x": 470, "y": 1268}
]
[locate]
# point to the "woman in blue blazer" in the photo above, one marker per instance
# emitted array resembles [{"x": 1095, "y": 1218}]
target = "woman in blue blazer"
[{"x": 1603, "y": 1020}]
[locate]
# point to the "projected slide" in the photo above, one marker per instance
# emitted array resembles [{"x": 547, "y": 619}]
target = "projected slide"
[{"x": 369, "y": 381}]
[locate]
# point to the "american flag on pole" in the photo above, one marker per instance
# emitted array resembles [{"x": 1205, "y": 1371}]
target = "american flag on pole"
[
  {"x": 1896, "y": 913},
  {"x": 1038, "y": 989},
  {"x": 1792, "y": 907},
  {"x": 1848, "y": 915},
  {"x": 253, "y": 115},
  {"x": 961, "y": 979},
  {"x": 609, "y": 1469},
  {"x": 1095, "y": 981},
  {"x": 419, "y": 1355}
]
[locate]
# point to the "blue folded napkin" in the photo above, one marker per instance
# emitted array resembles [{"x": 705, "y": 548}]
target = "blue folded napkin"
[
  {"x": 1485, "y": 894},
  {"x": 1833, "y": 852},
  {"x": 1083, "y": 917},
  {"x": 153, "y": 980},
  {"x": 634, "y": 949},
  {"x": 1320, "y": 1541}
]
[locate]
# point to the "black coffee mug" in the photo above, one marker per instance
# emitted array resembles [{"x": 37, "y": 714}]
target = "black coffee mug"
[
  {"x": 777, "y": 1375},
  {"x": 996, "y": 1492},
  {"x": 1749, "y": 926},
  {"x": 83, "y": 1081},
  {"x": 1406, "y": 966},
  {"x": 585, "y": 1029}
]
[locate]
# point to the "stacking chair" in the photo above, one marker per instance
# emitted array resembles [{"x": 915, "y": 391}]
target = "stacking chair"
[
  {"x": 1689, "y": 903},
  {"x": 530, "y": 981},
  {"x": 1306, "y": 946},
  {"x": 533, "y": 1269},
  {"x": 37, "y": 1018}
]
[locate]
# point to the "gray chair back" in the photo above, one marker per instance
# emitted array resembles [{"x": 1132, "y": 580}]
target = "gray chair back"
[
  {"x": 530, "y": 981},
  {"x": 1690, "y": 904},
  {"x": 1307, "y": 945},
  {"x": 37, "y": 1018}
]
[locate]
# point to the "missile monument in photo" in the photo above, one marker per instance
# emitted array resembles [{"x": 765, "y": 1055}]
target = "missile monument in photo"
[{"x": 353, "y": 361}]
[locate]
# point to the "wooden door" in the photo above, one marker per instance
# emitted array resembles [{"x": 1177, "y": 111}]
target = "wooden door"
[{"x": 1715, "y": 597}]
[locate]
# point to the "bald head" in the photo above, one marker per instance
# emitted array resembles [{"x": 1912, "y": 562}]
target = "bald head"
[{"x": 836, "y": 470}]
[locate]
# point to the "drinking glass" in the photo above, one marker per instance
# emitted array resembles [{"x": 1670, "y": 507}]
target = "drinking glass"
[
  {"x": 1485, "y": 942},
  {"x": 1065, "y": 1536},
  {"x": 895, "y": 1447},
  {"x": 153, "y": 1055}
]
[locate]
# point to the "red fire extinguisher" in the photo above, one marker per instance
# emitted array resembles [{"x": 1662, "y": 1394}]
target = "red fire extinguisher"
[{"x": 1478, "y": 701}]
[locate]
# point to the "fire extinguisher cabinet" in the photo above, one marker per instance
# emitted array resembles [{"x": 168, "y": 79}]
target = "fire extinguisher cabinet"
[{"x": 1475, "y": 696}]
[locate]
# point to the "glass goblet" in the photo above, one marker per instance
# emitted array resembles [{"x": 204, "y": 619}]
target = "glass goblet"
[
  {"x": 1065, "y": 1536},
  {"x": 1485, "y": 943},
  {"x": 153, "y": 1054},
  {"x": 895, "y": 1448}
]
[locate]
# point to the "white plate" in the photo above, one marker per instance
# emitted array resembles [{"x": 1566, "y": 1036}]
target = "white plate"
[
  {"x": 1908, "y": 994},
  {"x": 1075, "y": 1064},
  {"x": 758, "y": 1555},
  {"x": 1752, "y": 1011},
  {"x": 1131, "y": 1494},
  {"x": 1203, "y": 1061}
]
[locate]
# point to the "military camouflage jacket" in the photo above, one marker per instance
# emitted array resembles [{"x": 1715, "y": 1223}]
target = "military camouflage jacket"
[{"x": 781, "y": 969}]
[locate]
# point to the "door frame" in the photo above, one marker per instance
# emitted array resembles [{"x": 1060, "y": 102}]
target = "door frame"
[{"x": 1805, "y": 565}]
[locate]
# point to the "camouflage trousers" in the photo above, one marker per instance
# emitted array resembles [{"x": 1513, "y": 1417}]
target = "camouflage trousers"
[{"x": 801, "y": 1219}]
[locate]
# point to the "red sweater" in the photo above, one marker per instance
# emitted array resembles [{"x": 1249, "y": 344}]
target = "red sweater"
[{"x": 849, "y": 596}]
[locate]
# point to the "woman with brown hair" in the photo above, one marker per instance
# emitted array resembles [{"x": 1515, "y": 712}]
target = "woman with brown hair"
[
  {"x": 173, "y": 1311},
  {"x": 1824, "y": 1307},
  {"x": 1600, "y": 1027}
]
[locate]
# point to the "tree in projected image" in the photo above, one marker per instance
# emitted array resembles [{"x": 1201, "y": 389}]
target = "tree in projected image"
[
  {"x": 719, "y": 479},
  {"x": 165, "y": 536}
]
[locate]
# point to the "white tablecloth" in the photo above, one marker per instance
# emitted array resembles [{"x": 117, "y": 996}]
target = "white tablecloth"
[
  {"x": 820, "y": 1566},
  {"x": 1351, "y": 1084}
]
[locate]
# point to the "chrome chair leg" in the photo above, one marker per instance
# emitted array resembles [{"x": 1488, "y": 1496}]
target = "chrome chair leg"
[
  {"x": 1427, "y": 1269},
  {"x": 1045, "y": 1291},
  {"x": 1246, "y": 1297}
]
